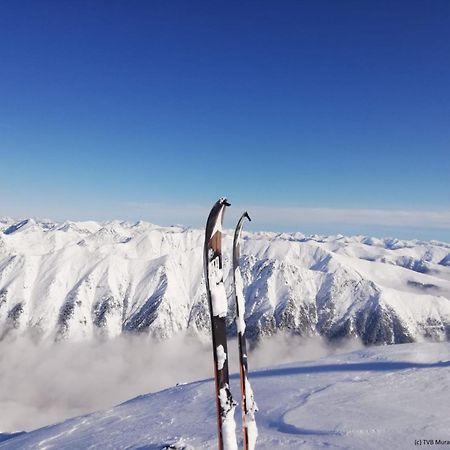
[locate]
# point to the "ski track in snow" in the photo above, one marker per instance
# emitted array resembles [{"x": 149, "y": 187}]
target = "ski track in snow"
[
  {"x": 379, "y": 397},
  {"x": 283, "y": 425}
]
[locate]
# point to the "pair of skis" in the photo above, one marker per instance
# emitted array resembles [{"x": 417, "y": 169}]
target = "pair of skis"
[{"x": 218, "y": 305}]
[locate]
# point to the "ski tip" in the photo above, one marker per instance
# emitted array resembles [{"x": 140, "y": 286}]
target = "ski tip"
[
  {"x": 246, "y": 215},
  {"x": 224, "y": 201}
]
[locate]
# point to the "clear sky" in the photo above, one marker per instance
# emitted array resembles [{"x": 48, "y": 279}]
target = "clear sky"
[{"x": 326, "y": 116}]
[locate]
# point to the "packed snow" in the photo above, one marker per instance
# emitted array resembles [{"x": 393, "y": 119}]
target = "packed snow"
[
  {"x": 250, "y": 419},
  {"x": 240, "y": 321},
  {"x": 228, "y": 406},
  {"x": 221, "y": 357},
  {"x": 219, "y": 302},
  {"x": 378, "y": 397}
]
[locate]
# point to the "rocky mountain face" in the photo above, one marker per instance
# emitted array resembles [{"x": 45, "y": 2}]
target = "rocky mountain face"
[{"x": 80, "y": 280}]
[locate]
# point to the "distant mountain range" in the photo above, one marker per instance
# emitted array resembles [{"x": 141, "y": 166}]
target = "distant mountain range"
[{"x": 79, "y": 280}]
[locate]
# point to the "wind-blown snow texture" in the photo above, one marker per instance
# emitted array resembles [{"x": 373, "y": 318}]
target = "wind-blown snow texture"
[
  {"x": 382, "y": 397},
  {"x": 77, "y": 280}
]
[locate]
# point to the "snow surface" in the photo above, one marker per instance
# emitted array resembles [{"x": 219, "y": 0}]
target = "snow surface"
[
  {"x": 221, "y": 357},
  {"x": 250, "y": 421},
  {"x": 239, "y": 285},
  {"x": 378, "y": 397},
  {"x": 219, "y": 300},
  {"x": 228, "y": 405}
]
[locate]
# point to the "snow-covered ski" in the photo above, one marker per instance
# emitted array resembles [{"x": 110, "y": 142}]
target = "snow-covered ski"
[
  {"x": 218, "y": 306},
  {"x": 248, "y": 403}
]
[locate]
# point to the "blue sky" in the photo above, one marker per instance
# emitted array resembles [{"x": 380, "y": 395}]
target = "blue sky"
[{"x": 313, "y": 114}]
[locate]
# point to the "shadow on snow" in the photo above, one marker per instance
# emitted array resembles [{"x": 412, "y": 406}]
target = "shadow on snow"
[{"x": 382, "y": 366}]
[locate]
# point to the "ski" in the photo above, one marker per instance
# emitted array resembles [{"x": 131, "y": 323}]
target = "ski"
[
  {"x": 218, "y": 307},
  {"x": 248, "y": 403}
]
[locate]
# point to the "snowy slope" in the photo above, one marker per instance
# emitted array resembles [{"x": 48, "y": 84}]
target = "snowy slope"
[
  {"x": 382, "y": 397},
  {"x": 79, "y": 280}
]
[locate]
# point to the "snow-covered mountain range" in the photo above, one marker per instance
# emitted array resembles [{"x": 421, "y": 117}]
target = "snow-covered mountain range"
[
  {"x": 377, "y": 398},
  {"x": 77, "y": 280}
]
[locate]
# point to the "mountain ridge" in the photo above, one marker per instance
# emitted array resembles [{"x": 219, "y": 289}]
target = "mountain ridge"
[{"x": 80, "y": 280}]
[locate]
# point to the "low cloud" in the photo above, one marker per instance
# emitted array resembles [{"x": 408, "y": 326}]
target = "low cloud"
[
  {"x": 384, "y": 217},
  {"x": 268, "y": 217},
  {"x": 45, "y": 383},
  {"x": 296, "y": 216},
  {"x": 284, "y": 348}
]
